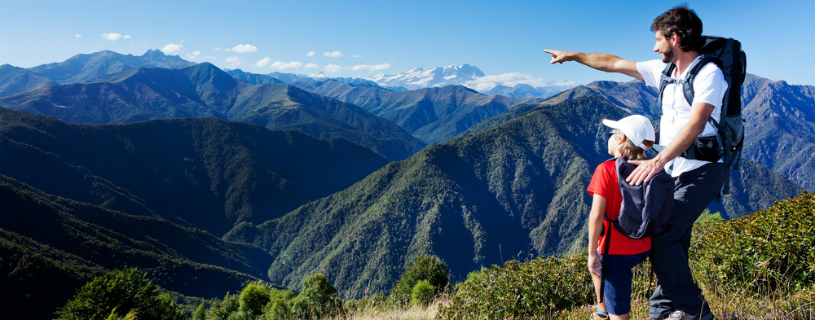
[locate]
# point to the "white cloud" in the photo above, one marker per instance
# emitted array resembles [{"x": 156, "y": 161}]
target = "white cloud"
[
  {"x": 232, "y": 62},
  {"x": 371, "y": 67},
  {"x": 78, "y": 35},
  {"x": 332, "y": 68},
  {"x": 280, "y": 65},
  {"x": 356, "y": 56},
  {"x": 310, "y": 53},
  {"x": 194, "y": 55},
  {"x": 318, "y": 76},
  {"x": 171, "y": 49},
  {"x": 244, "y": 48},
  {"x": 509, "y": 79},
  {"x": 263, "y": 62},
  {"x": 111, "y": 36},
  {"x": 333, "y": 54},
  {"x": 127, "y": 36},
  {"x": 217, "y": 49},
  {"x": 312, "y": 66}
]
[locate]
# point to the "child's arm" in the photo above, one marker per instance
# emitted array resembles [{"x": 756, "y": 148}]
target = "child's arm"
[{"x": 596, "y": 216}]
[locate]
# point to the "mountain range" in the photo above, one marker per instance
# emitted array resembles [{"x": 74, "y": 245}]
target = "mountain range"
[
  {"x": 430, "y": 114},
  {"x": 204, "y": 173},
  {"x": 82, "y": 68},
  {"x": 203, "y": 90}
]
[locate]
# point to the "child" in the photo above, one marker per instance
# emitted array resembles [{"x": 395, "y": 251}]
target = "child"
[{"x": 629, "y": 138}]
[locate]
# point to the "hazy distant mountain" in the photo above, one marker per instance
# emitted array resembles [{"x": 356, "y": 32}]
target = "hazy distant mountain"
[
  {"x": 511, "y": 192},
  {"x": 14, "y": 80},
  {"x": 418, "y": 78},
  {"x": 252, "y": 78},
  {"x": 430, "y": 114},
  {"x": 526, "y": 91},
  {"x": 205, "y": 91},
  {"x": 203, "y": 173},
  {"x": 86, "y": 67}
]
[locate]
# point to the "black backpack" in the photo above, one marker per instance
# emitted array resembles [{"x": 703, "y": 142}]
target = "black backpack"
[{"x": 728, "y": 55}]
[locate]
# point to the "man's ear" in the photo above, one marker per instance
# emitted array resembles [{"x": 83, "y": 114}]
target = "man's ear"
[{"x": 674, "y": 39}]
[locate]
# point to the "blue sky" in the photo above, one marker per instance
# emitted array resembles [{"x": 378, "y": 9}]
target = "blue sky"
[{"x": 363, "y": 38}]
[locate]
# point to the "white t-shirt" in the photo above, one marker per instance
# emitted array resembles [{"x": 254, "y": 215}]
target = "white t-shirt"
[{"x": 709, "y": 87}]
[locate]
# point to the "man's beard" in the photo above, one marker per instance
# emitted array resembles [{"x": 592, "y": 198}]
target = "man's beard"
[{"x": 668, "y": 55}]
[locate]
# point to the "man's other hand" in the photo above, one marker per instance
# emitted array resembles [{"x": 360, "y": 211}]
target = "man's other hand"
[{"x": 645, "y": 170}]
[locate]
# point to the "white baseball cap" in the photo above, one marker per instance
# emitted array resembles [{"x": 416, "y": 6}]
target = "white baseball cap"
[{"x": 636, "y": 127}]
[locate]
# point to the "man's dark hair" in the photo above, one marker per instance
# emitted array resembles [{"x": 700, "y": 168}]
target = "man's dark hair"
[{"x": 685, "y": 23}]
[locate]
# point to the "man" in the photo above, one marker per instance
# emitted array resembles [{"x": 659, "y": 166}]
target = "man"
[{"x": 677, "y": 40}]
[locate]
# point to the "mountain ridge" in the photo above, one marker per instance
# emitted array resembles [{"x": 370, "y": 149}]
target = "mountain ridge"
[{"x": 204, "y": 90}]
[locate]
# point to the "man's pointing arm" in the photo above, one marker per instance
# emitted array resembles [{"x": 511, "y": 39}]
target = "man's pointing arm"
[{"x": 599, "y": 61}]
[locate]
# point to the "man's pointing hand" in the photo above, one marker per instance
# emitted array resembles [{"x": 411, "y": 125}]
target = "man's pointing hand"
[{"x": 558, "y": 56}]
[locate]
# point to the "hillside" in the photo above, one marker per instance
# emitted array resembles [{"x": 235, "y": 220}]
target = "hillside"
[
  {"x": 779, "y": 120},
  {"x": 204, "y": 173},
  {"x": 513, "y": 191},
  {"x": 205, "y": 91},
  {"x": 50, "y": 246},
  {"x": 431, "y": 114},
  {"x": 14, "y": 80}
]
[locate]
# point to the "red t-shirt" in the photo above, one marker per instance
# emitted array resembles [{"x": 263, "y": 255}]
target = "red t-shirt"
[{"x": 605, "y": 183}]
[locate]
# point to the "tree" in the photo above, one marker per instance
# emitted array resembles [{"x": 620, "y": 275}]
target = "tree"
[
  {"x": 117, "y": 294},
  {"x": 317, "y": 300},
  {"x": 426, "y": 267},
  {"x": 423, "y": 293},
  {"x": 253, "y": 299}
]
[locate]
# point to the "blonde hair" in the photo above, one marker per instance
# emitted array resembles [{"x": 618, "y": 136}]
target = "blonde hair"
[{"x": 630, "y": 150}]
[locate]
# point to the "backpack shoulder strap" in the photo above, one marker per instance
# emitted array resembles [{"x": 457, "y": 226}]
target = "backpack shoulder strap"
[{"x": 665, "y": 79}]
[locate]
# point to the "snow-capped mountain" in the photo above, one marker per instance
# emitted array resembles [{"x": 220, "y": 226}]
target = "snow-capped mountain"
[
  {"x": 517, "y": 85},
  {"x": 418, "y": 78}
]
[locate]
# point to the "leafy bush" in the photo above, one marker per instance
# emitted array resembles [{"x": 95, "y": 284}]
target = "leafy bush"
[
  {"x": 221, "y": 309},
  {"x": 531, "y": 290},
  {"x": 767, "y": 253},
  {"x": 118, "y": 293},
  {"x": 423, "y": 293},
  {"x": 253, "y": 299},
  {"x": 426, "y": 267},
  {"x": 317, "y": 300}
]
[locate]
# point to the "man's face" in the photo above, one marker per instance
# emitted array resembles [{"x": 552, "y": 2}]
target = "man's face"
[{"x": 664, "y": 47}]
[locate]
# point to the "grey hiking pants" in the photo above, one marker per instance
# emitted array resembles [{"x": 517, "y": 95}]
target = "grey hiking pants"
[{"x": 676, "y": 289}]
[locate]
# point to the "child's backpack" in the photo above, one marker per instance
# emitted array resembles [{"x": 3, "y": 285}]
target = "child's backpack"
[
  {"x": 646, "y": 210},
  {"x": 728, "y": 55}
]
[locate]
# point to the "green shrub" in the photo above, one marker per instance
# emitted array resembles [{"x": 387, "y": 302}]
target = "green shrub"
[
  {"x": 423, "y": 293},
  {"x": 117, "y": 294},
  {"x": 278, "y": 309},
  {"x": 221, "y": 309},
  {"x": 531, "y": 290},
  {"x": 317, "y": 300},
  {"x": 253, "y": 299},
  {"x": 200, "y": 313},
  {"x": 426, "y": 267},
  {"x": 766, "y": 253}
]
